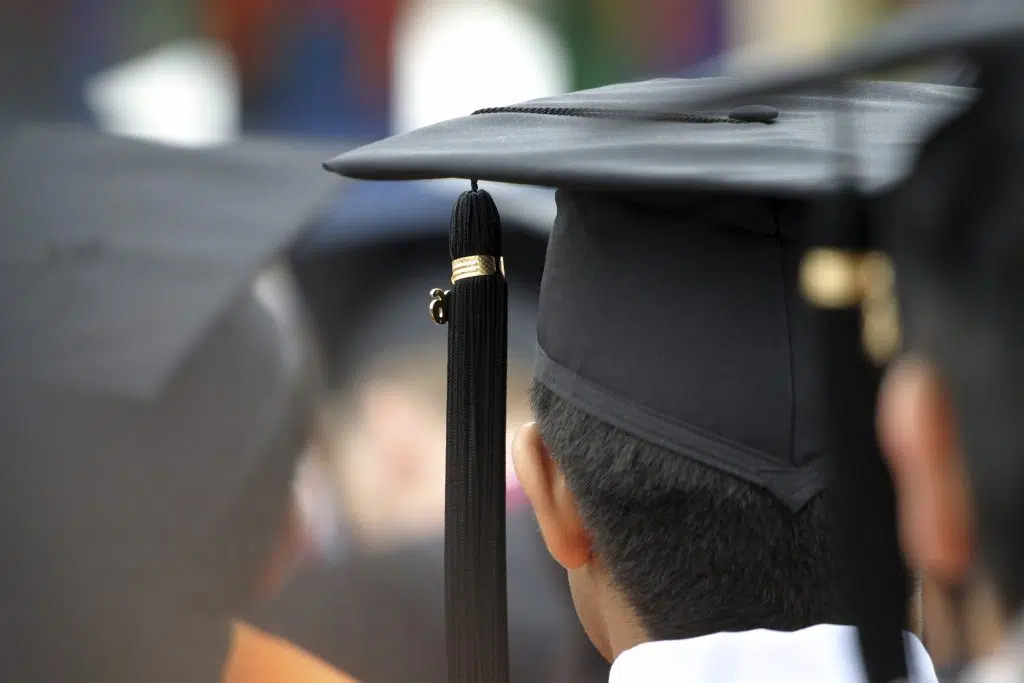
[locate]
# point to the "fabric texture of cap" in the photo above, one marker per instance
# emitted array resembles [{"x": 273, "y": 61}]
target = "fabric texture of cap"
[
  {"x": 687, "y": 330},
  {"x": 617, "y": 138}
]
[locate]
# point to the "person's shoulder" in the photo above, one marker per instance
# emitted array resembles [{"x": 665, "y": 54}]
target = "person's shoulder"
[{"x": 258, "y": 657}]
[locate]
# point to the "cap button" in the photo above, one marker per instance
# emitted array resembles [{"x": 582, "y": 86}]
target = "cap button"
[{"x": 755, "y": 113}]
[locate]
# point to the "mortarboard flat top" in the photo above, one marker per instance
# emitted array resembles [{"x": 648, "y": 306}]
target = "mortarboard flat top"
[
  {"x": 567, "y": 147},
  {"x": 118, "y": 255},
  {"x": 796, "y": 154}
]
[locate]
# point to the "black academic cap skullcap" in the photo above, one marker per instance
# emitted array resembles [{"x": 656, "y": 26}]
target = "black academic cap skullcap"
[
  {"x": 686, "y": 330},
  {"x": 118, "y": 255}
]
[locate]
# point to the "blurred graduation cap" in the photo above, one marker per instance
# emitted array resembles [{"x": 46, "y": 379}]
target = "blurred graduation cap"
[
  {"x": 154, "y": 402},
  {"x": 118, "y": 256},
  {"x": 374, "y": 226},
  {"x": 683, "y": 209}
]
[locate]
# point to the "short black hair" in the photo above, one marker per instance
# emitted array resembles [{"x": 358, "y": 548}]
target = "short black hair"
[{"x": 694, "y": 550}]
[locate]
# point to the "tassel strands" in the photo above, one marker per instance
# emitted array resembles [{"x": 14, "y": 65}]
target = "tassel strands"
[{"x": 476, "y": 311}]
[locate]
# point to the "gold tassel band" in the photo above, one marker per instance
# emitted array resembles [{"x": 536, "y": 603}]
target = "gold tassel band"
[{"x": 475, "y": 266}]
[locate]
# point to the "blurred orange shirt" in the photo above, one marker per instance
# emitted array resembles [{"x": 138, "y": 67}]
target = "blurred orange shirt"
[{"x": 258, "y": 657}]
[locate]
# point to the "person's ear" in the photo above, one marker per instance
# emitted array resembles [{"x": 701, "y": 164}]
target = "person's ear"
[
  {"x": 919, "y": 438},
  {"x": 553, "y": 503}
]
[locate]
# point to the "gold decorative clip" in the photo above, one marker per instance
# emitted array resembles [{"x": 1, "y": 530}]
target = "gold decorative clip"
[
  {"x": 439, "y": 306},
  {"x": 830, "y": 278},
  {"x": 475, "y": 266},
  {"x": 462, "y": 268}
]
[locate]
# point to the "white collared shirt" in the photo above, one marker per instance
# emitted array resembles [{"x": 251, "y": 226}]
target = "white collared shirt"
[{"x": 820, "y": 654}]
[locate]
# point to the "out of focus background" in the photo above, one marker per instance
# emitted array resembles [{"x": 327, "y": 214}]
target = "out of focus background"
[{"x": 202, "y": 71}]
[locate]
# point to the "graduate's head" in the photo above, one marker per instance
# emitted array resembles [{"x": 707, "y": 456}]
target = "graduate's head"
[
  {"x": 665, "y": 547},
  {"x": 674, "y": 466},
  {"x": 950, "y": 414},
  {"x": 669, "y": 312}
]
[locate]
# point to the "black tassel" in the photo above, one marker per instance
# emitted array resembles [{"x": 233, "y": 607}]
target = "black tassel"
[
  {"x": 874, "y": 578},
  {"x": 477, "y": 314}
]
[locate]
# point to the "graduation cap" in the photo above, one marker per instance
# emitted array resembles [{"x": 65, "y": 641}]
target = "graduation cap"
[
  {"x": 154, "y": 405},
  {"x": 669, "y": 306}
]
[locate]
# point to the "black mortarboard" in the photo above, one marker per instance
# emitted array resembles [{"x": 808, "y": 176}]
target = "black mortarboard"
[
  {"x": 669, "y": 305},
  {"x": 154, "y": 407}
]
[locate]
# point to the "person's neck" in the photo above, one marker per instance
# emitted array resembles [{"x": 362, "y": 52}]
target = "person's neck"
[
  {"x": 626, "y": 637},
  {"x": 622, "y": 628}
]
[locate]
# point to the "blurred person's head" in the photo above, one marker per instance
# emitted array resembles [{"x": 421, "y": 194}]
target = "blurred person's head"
[
  {"x": 390, "y": 424},
  {"x": 970, "y": 589},
  {"x": 153, "y": 523},
  {"x": 388, "y": 382},
  {"x": 950, "y": 410},
  {"x": 154, "y": 405}
]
